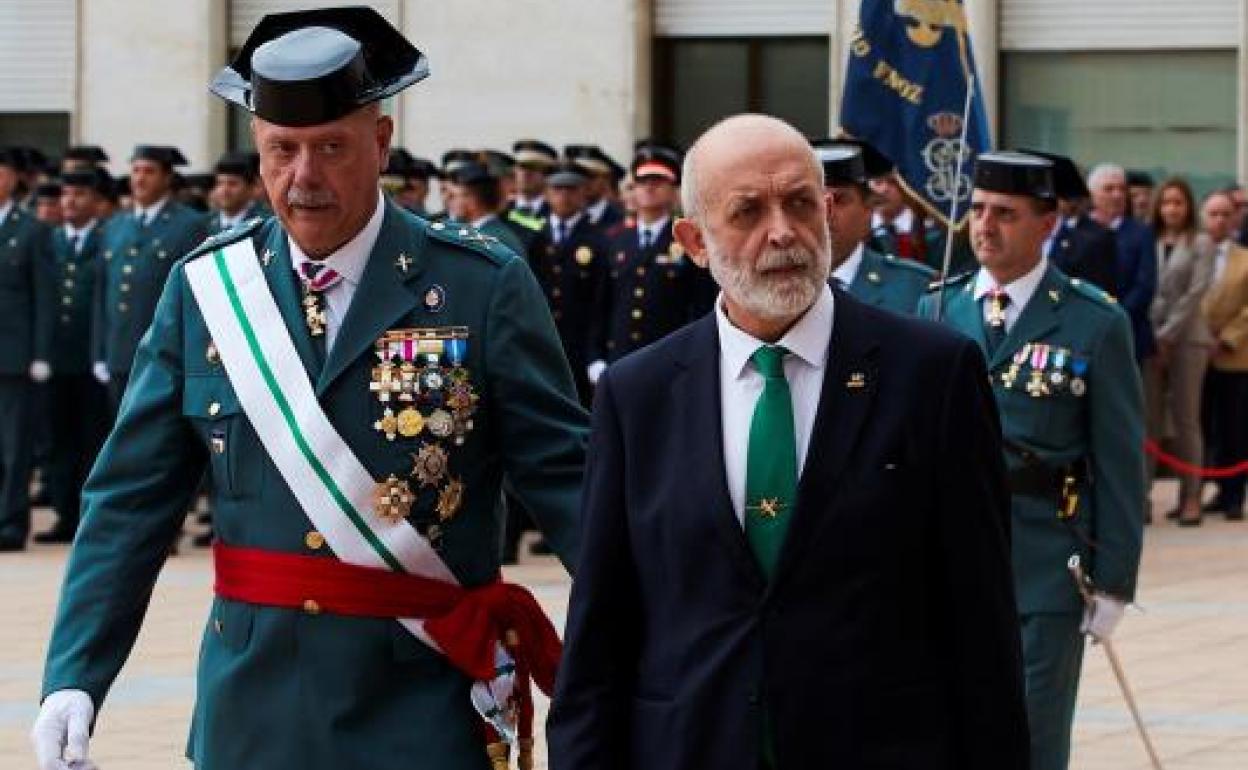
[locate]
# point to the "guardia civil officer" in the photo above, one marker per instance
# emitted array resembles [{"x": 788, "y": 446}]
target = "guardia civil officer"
[
  {"x": 26, "y": 304},
  {"x": 234, "y": 192},
  {"x": 77, "y": 405},
  {"x": 476, "y": 198},
  {"x": 140, "y": 249},
  {"x": 1060, "y": 359},
  {"x": 877, "y": 279},
  {"x": 359, "y": 382}
]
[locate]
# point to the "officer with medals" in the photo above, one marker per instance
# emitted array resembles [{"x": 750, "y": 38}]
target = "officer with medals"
[
  {"x": 234, "y": 192},
  {"x": 26, "y": 304},
  {"x": 878, "y": 279},
  {"x": 359, "y": 382},
  {"x": 652, "y": 288},
  {"x": 1064, "y": 376},
  {"x": 77, "y": 412},
  {"x": 570, "y": 264},
  {"x": 140, "y": 249}
]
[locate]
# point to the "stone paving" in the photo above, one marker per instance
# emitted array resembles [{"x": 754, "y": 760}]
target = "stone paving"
[{"x": 1186, "y": 654}]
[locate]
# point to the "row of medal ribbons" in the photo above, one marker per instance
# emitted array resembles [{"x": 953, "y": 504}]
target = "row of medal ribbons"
[{"x": 1050, "y": 370}]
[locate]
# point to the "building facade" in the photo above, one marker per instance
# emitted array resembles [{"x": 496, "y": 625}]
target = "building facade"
[{"x": 1151, "y": 84}]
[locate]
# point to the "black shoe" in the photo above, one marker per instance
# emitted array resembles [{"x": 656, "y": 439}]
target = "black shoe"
[
  {"x": 1172, "y": 514},
  {"x": 58, "y": 535},
  {"x": 1235, "y": 514},
  {"x": 11, "y": 544},
  {"x": 1213, "y": 506}
]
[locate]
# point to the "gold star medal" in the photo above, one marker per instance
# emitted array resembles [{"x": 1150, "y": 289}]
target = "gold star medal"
[
  {"x": 769, "y": 507},
  {"x": 584, "y": 255},
  {"x": 392, "y": 499},
  {"x": 450, "y": 499},
  {"x": 410, "y": 422},
  {"x": 429, "y": 465}
]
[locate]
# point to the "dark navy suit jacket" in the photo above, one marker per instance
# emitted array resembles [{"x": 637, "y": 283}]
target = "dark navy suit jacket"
[
  {"x": 1137, "y": 281},
  {"x": 888, "y": 637}
]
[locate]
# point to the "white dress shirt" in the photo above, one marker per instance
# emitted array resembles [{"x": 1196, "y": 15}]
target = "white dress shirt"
[
  {"x": 740, "y": 385},
  {"x": 1219, "y": 260},
  {"x": 648, "y": 232},
  {"x": 902, "y": 223},
  {"x": 1019, "y": 291},
  {"x": 566, "y": 224},
  {"x": 596, "y": 210},
  {"x": 147, "y": 215},
  {"x": 848, "y": 270},
  {"x": 78, "y": 236},
  {"x": 348, "y": 261}
]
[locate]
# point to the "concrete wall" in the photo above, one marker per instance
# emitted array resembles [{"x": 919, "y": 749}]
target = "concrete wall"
[
  {"x": 557, "y": 70},
  {"x": 145, "y": 67}
]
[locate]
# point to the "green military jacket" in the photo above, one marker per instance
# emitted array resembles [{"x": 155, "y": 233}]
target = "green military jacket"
[
  {"x": 1072, "y": 338},
  {"x": 496, "y": 228},
  {"x": 76, "y": 275},
  {"x": 891, "y": 283},
  {"x": 26, "y": 292},
  {"x": 214, "y": 224},
  {"x": 137, "y": 260},
  {"x": 280, "y": 688}
]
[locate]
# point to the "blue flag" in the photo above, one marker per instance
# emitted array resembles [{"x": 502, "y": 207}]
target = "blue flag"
[{"x": 905, "y": 91}]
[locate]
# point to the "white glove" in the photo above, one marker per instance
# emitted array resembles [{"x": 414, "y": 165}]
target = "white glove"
[
  {"x": 63, "y": 727},
  {"x": 100, "y": 372},
  {"x": 40, "y": 371},
  {"x": 1102, "y": 616},
  {"x": 595, "y": 371}
]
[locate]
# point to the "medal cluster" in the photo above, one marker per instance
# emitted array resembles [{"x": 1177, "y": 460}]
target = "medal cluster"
[
  {"x": 1050, "y": 370},
  {"x": 426, "y": 394}
]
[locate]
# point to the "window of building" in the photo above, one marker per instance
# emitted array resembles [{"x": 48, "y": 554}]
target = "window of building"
[
  {"x": 49, "y": 131},
  {"x": 701, "y": 80},
  {"x": 1166, "y": 112}
]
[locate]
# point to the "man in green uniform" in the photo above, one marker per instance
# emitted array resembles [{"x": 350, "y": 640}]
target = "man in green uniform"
[
  {"x": 77, "y": 408},
  {"x": 476, "y": 199},
  {"x": 140, "y": 248},
  {"x": 359, "y": 382},
  {"x": 26, "y": 303},
  {"x": 878, "y": 279},
  {"x": 234, "y": 192},
  {"x": 1060, "y": 358}
]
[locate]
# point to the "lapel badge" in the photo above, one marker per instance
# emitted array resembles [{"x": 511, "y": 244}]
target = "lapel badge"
[
  {"x": 212, "y": 354},
  {"x": 767, "y": 507},
  {"x": 450, "y": 499},
  {"x": 392, "y": 499},
  {"x": 856, "y": 381},
  {"x": 873, "y": 277},
  {"x": 403, "y": 262},
  {"x": 429, "y": 464},
  {"x": 435, "y": 298},
  {"x": 584, "y": 255},
  {"x": 1054, "y": 295},
  {"x": 266, "y": 257}
]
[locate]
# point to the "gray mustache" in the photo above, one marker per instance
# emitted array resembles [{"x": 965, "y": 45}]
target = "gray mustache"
[{"x": 311, "y": 198}]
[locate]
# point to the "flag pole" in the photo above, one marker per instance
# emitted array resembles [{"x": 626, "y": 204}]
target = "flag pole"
[{"x": 953, "y": 206}]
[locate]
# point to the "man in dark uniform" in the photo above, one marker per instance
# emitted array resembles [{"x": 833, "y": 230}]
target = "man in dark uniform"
[
  {"x": 1079, "y": 247},
  {"x": 603, "y": 174},
  {"x": 571, "y": 267},
  {"x": 882, "y": 280},
  {"x": 26, "y": 306},
  {"x": 652, "y": 287},
  {"x": 400, "y": 503},
  {"x": 1061, "y": 366},
  {"x": 234, "y": 192},
  {"x": 140, "y": 248},
  {"x": 77, "y": 405},
  {"x": 534, "y": 159}
]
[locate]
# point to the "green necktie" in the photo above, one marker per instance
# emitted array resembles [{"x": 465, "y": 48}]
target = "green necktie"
[{"x": 771, "y": 464}]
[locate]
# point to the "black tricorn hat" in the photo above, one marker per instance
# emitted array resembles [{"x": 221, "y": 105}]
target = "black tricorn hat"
[
  {"x": 165, "y": 155},
  {"x": 876, "y": 163},
  {"x": 843, "y": 164},
  {"x": 532, "y": 153},
  {"x": 398, "y": 163},
  {"x": 51, "y": 189},
  {"x": 240, "y": 164},
  {"x": 1015, "y": 173},
  {"x": 309, "y": 67},
  {"x": 96, "y": 179},
  {"x": 1068, "y": 183},
  {"x": 87, "y": 153}
]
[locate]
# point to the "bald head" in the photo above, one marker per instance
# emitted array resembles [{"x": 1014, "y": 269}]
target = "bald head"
[{"x": 737, "y": 144}]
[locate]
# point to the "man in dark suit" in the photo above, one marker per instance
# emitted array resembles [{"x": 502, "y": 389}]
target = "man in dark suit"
[
  {"x": 795, "y": 533},
  {"x": 1078, "y": 246},
  {"x": 1137, "y": 256}
]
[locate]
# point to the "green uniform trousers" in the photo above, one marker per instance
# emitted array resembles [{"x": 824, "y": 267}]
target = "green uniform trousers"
[
  {"x": 15, "y": 455},
  {"x": 1053, "y": 659}
]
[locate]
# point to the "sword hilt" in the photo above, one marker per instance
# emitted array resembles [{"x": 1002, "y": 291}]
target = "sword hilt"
[{"x": 1082, "y": 581}]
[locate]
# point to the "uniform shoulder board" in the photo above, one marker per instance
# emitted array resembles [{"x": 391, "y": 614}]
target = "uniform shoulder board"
[
  {"x": 526, "y": 221},
  {"x": 910, "y": 265},
  {"x": 948, "y": 283},
  {"x": 1092, "y": 292},
  {"x": 470, "y": 238},
  {"x": 226, "y": 237}
]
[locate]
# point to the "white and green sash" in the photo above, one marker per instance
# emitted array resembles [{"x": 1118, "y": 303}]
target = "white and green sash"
[{"x": 330, "y": 483}]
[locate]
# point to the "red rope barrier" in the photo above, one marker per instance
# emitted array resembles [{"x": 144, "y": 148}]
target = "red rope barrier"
[{"x": 1187, "y": 468}]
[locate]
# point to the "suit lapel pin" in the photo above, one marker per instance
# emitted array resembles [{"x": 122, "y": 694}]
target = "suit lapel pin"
[
  {"x": 403, "y": 262},
  {"x": 1054, "y": 295},
  {"x": 873, "y": 277},
  {"x": 435, "y": 298},
  {"x": 856, "y": 381}
]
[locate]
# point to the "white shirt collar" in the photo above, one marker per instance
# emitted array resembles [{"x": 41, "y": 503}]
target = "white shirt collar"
[
  {"x": 567, "y": 224},
  {"x": 149, "y": 214},
  {"x": 1019, "y": 290},
  {"x": 5, "y": 209},
  {"x": 848, "y": 269},
  {"x": 228, "y": 221},
  {"x": 597, "y": 209},
  {"x": 808, "y": 339},
  {"x": 529, "y": 204},
  {"x": 903, "y": 222},
  {"x": 655, "y": 228},
  {"x": 71, "y": 232},
  {"x": 351, "y": 258},
  {"x": 1117, "y": 223}
]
